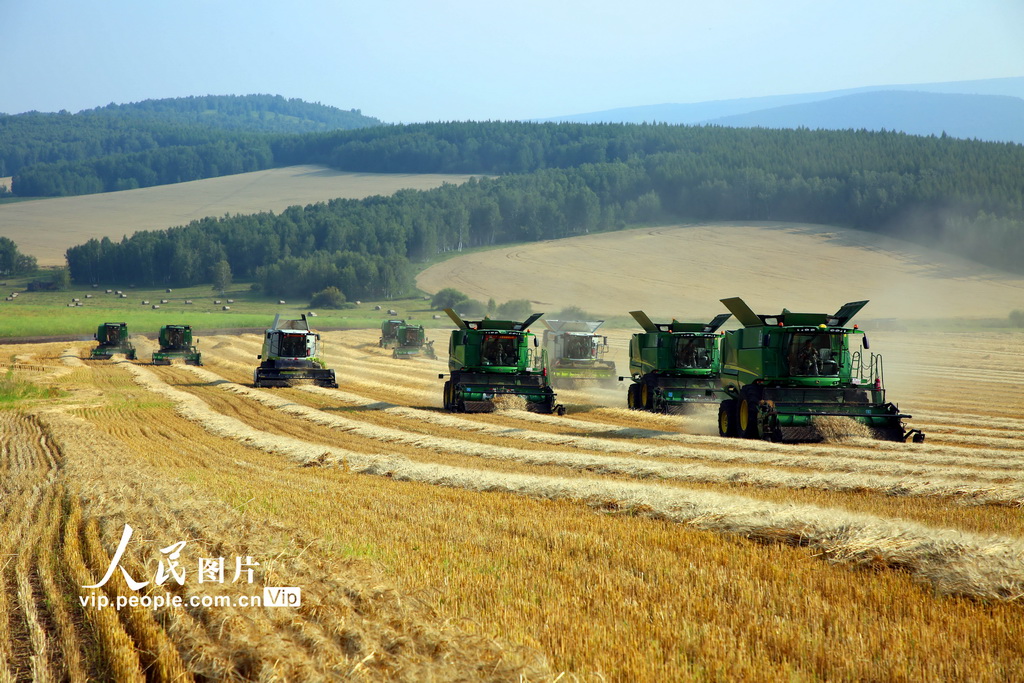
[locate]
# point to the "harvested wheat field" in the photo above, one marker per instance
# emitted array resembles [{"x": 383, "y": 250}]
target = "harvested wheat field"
[
  {"x": 603, "y": 545},
  {"x": 45, "y": 228},
  {"x": 683, "y": 271}
]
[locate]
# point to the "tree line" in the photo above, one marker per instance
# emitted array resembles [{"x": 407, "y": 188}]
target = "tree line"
[
  {"x": 968, "y": 194},
  {"x": 49, "y": 153}
]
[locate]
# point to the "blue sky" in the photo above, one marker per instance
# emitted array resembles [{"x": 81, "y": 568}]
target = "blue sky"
[{"x": 405, "y": 61}]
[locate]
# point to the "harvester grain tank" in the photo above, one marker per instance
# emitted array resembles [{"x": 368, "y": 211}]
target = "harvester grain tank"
[
  {"x": 112, "y": 338},
  {"x": 389, "y": 333},
  {"x": 674, "y": 366},
  {"x": 411, "y": 341},
  {"x": 291, "y": 355},
  {"x": 788, "y": 374},
  {"x": 176, "y": 344},
  {"x": 490, "y": 359},
  {"x": 575, "y": 354}
]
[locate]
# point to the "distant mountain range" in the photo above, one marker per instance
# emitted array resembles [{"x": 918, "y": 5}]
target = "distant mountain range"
[{"x": 990, "y": 110}]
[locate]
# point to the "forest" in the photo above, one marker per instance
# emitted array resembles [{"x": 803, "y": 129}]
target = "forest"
[
  {"x": 121, "y": 146},
  {"x": 557, "y": 180}
]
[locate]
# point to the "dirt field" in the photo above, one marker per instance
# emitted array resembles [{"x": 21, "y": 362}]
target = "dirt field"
[
  {"x": 603, "y": 545},
  {"x": 683, "y": 271},
  {"x": 47, "y": 227}
]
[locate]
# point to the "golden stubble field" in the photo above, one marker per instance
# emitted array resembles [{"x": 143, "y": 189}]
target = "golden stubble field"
[
  {"x": 602, "y": 545},
  {"x": 46, "y": 228},
  {"x": 683, "y": 271}
]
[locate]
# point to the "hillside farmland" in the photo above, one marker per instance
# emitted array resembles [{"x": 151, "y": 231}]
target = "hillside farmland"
[
  {"x": 682, "y": 271},
  {"x": 606, "y": 544},
  {"x": 45, "y": 228}
]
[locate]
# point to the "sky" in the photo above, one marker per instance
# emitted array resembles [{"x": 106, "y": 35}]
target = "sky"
[{"x": 406, "y": 61}]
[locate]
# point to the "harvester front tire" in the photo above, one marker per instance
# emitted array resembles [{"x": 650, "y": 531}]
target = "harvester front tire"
[
  {"x": 747, "y": 420},
  {"x": 447, "y": 396},
  {"x": 646, "y": 400},
  {"x": 727, "y": 418},
  {"x": 633, "y": 397}
]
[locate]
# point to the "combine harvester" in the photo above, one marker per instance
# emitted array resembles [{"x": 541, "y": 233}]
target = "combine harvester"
[
  {"x": 674, "y": 366},
  {"x": 575, "y": 355},
  {"x": 113, "y": 338},
  {"x": 291, "y": 356},
  {"x": 389, "y": 333},
  {"x": 788, "y": 374},
  {"x": 490, "y": 359},
  {"x": 411, "y": 341},
  {"x": 176, "y": 344}
]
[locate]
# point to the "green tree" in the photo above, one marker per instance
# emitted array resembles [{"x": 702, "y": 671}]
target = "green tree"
[
  {"x": 221, "y": 276},
  {"x": 447, "y": 298},
  {"x": 61, "y": 279},
  {"x": 12, "y": 261},
  {"x": 328, "y": 297},
  {"x": 515, "y": 309}
]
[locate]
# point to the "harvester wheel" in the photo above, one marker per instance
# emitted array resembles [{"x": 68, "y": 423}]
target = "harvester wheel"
[
  {"x": 747, "y": 419},
  {"x": 447, "y": 395},
  {"x": 646, "y": 399},
  {"x": 727, "y": 417},
  {"x": 633, "y": 397}
]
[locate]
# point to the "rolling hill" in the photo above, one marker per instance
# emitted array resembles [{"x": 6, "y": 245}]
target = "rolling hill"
[{"x": 683, "y": 271}]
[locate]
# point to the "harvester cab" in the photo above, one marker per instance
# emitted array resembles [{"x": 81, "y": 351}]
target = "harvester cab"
[
  {"x": 291, "y": 355},
  {"x": 389, "y": 333},
  {"x": 490, "y": 360},
  {"x": 674, "y": 366},
  {"x": 411, "y": 341},
  {"x": 575, "y": 354},
  {"x": 790, "y": 376},
  {"x": 112, "y": 338},
  {"x": 176, "y": 343}
]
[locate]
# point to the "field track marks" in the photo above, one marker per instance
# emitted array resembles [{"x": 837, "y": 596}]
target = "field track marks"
[
  {"x": 893, "y": 458},
  {"x": 34, "y": 621},
  {"x": 952, "y": 562},
  {"x": 896, "y": 486},
  {"x": 347, "y": 614}
]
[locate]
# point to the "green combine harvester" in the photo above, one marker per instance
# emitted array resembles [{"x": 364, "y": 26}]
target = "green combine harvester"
[
  {"x": 389, "y": 333},
  {"x": 411, "y": 341},
  {"x": 112, "y": 338},
  {"x": 787, "y": 374},
  {"x": 575, "y": 355},
  {"x": 291, "y": 356},
  {"x": 674, "y": 366},
  {"x": 176, "y": 344},
  {"x": 491, "y": 359}
]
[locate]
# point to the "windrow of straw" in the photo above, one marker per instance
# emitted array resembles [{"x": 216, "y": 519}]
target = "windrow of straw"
[
  {"x": 952, "y": 562},
  {"x": 1010, "y": 495}
]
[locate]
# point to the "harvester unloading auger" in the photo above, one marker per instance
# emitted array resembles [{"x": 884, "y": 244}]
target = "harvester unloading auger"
[
  {"x": 575, "y": 354},
  {"x": 112, "y": 338},
  {"x": 674, "y": 366},
  {"x": 786, "y": 373},
  {"x": 291, "y": 355},
  {"x": 491, "y": 359},
  {"x": 176, "y": 344}
]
